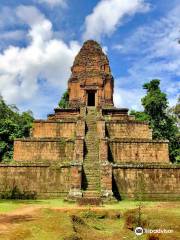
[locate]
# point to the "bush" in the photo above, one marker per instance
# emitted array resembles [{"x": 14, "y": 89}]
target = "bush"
[
  {"x": 153, "y": 237},
  {"x": 133, "y": 219},
  {"x": 89, "y": 201},
  {"x": 16, "y": 193}
]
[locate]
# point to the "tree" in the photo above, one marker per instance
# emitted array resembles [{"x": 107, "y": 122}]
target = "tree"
[
  {"x": 163, "y": 124},
  {"x": 140, "y": 116},
  {"x": 175, "y": 111},
  {"x": 64, "y": 102},
  {"x": 12, "y": 125}
]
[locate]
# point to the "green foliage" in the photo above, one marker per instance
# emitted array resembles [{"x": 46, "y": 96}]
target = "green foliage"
[
  {"x": 140, "y": 116},
  {"x": 64, "y": 102},
  {"x": 12, "y": 125},
  {"x": 155, "y": 102},
  {"x": 163, "y": 123},
  {"x": 175, "y": 111},
  {"x": 16, "y": 193}
]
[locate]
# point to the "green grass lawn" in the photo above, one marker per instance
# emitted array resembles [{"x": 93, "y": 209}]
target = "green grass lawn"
[
  {"x": 56, "y": 220},
  {"x": 10, "y": 205}
]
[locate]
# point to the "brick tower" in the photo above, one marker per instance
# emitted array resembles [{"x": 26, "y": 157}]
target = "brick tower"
[
  {"x": 91, "y": 83},
  {"x": 91, "y": 149}
]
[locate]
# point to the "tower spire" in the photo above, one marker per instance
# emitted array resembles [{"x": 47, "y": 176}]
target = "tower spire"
[{"x": 91, "y": 82}]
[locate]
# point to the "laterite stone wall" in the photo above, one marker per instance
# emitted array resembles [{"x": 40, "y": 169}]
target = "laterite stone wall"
[
  {"x": 48, "y": 129},
  {"x": 44, "y": 180},
  {"x": 43, "y": 150},
  {"x": 128, "y": 129},
  {"x": 138, "y": 151},
  {"x": 148, "y": 182}
]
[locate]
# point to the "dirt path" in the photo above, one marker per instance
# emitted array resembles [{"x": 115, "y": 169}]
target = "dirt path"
[{"x": 26, "y": 213}]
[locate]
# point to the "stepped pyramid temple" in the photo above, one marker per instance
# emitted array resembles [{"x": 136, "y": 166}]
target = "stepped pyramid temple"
[{"x": 91, "y": 149}]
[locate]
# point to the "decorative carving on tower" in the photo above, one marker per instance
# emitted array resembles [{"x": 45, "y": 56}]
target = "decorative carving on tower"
[{"x": 91, "y": 82}]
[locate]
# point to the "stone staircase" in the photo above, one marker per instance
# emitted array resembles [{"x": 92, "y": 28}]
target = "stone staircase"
[{"x": 91, "y": 165}]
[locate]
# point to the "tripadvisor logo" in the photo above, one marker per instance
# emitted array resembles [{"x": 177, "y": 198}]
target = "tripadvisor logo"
[{"x": 139, "y": 231}]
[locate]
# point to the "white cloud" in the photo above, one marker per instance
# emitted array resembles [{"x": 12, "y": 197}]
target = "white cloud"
[
  {"x": 7, "y": 17},
  {"x": 153, "y": 52},
  {"x": 30, "y": 15},
  {"x": 108, "y": 15},
  {"x": 47, "y": 58},
  {"x": 12, "y": 35},
  {"x": 128, "y": 98},
  {"x": 118, "y": 47},
  {"x": 53, "y": 3}
]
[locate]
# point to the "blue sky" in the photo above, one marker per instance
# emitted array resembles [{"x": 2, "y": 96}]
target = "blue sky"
[{"x": 40, "y": 38}]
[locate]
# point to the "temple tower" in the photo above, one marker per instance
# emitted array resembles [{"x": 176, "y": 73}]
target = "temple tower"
[
  {"x": 91, "y": 151},
  {"x": 91, "y": 82}
]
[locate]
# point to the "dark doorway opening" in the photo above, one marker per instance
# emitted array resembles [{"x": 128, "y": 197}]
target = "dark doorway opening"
[{"x": 91, "y": 98}]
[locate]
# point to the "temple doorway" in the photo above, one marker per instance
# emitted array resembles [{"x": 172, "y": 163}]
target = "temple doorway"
[{"x": 91, "y": 98}]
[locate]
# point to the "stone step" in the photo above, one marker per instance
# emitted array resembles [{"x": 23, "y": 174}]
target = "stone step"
[
  {"x": 95, "y": 175},
  {"x": 92, "y": 156},
  {"x": 93, "y": 167},
  {"x": 91, "y": 145},
  {"x": 92, "y": 179},
  {"x": 92, "y": 164},
  {"x": 91, "y": 171},
  {"x": 91, "y": 194},
  {"x": 92, "y": 184},
  {"x": 89, "y": 160},
  {"x": 89, "y": 168},
  {"x": 90, "y": 138},
  {"x": 91, "y": 133},
  {"x": 92, "y": 152},
  {"x": 91, "y": 142},
  {"x": 93, "y": 187}
]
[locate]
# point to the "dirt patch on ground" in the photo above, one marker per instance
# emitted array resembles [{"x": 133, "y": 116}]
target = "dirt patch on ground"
[{"x": 28, "y": 213}]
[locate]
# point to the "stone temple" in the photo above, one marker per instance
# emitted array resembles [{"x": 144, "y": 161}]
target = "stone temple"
[{"x": 91, "y": 149}]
